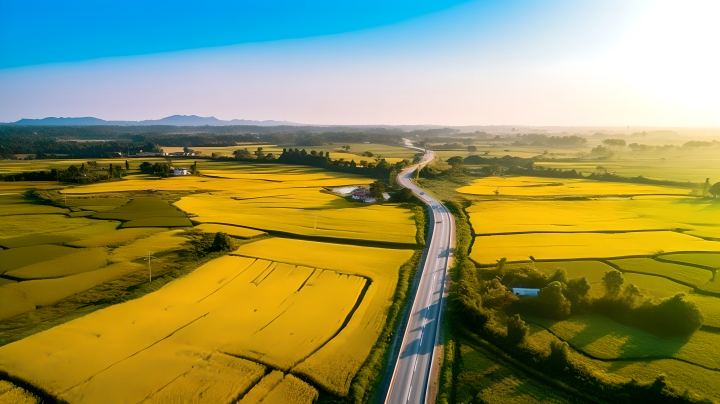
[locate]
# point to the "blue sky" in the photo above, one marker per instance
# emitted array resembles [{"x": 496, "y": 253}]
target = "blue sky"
[{"x": 551, "y": 62}]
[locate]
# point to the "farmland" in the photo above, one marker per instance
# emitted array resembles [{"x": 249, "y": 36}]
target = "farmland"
[
  {"x": 292, "y": 313},
  {"x": 548, "y": 233}
]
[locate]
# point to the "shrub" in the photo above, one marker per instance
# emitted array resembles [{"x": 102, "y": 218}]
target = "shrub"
[{"x": 517, "y": 330}]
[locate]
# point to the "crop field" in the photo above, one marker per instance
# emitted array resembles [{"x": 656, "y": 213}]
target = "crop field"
[
  {"x": 603, "y": 338},
  {"x": 662, "y": 240},
  {"x": 332, "y": 365},
  {"x": 554, "y": 246},
  {"x": 539, "y": 186},
  {"x": 275, "y": 320},
  {"x": 683, "y": 165},
  {"x": 679, "y": 273},
  {"x": 279, "y": 319}
]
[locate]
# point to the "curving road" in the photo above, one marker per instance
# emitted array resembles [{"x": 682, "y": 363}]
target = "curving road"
[{"x": 412, "y": 375}]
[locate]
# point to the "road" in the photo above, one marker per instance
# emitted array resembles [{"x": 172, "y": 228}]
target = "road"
[{"x": 411, "y": 377}]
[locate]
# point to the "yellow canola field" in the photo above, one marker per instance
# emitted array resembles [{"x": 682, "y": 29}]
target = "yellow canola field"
[
  {"x": 11, "y": 394},
  {"x": 219, "y": 379},
  {"x": 540, "y": 186},
  {"x": 551, "y": 246},
  {"x": 165, "y": 241},
  {"x": 25, "y": 225},
  {"x": 375, "y": 222},
  {"x": 334, "y": 365},
  {"x": 149, "y": 342},
  {"x": 261, "y": 390},
  {"x": 223, "y": 181}
]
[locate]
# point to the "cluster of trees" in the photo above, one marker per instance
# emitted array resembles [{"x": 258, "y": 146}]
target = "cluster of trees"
[
  {"x": 626, "y": 303},
  {"x": 699, "y": 143},
  {"x": 202, "y": 244},
  {"x": 534, "y": 139},
  {"x": 379, "y": 168},
  {"x": 163, "y": 169},
  {"x": 45, "y": 147},
  {"x": 82, "y": 175}
]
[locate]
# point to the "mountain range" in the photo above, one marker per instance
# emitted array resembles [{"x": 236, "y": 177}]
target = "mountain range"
[{"x": 175, "y": 120}]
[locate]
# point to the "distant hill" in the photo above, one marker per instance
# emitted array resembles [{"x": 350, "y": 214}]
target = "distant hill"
[{"x": 175, "y": 120}]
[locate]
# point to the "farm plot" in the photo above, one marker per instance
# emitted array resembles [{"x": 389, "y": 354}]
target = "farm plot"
[
  {"x": 553, "y": 246},
  {"x": 540, "y": 186},
  {"x": 603, "y": 338},
  {"x": 680, "y": 273},
  {"x": 273, "y": 313},
  {"x": 706, "y": 259},
  {"x": 146, "y": 212},
  {"x": 233, "y": 231},
  {"x": 17, "y": 204},
  {"x": 385, "y": 223},
  {"x": 333, "y": 365}
]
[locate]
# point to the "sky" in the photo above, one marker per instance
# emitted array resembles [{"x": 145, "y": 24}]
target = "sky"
[{"x": 511, "y": 62}]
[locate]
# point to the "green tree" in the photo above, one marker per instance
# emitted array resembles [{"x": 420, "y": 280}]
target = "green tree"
[
  {"x": 613, "y": 281},
  {"x": 577, "y": 291},
  {"x": 472, "y": 148},
  {"x": 127, "y": 165},
  {"x": 456, "y": 161},
  {"x": 222, "y": 242},
  {"x": 552, "y": 303},
  {"x": 715, "y": 190},
  {"x": 615, "y": 142},
  {"x": 376, "y": 189},
  {"x": 706, "y": 186},
  {"x": 517, "y": 330}
]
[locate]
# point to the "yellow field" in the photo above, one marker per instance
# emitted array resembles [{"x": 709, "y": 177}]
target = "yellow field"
[
  {"x": 335, "y": 363},
  {"x": 540, "y": 186},
  {"x": 275, "y": 313},
  {"x": 552, "y": 246},
  {"x": 374, "y": 222},
  {"x": 165, "y": 241},
  {"x": 11, "y": 394},
  {"x": 81, "y": 260}
]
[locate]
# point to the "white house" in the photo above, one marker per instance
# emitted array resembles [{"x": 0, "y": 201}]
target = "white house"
[
  {"x": 180, "y": 171},
  {"x": 525, "y": 291}
]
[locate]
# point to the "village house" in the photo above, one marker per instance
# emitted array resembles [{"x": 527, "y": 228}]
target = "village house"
[
  {"x": 180, "y": 171},
  {"x": 150, "y": 154},
  {"x": 362, "y": 194},
  {"x": 182, "y": 154}
]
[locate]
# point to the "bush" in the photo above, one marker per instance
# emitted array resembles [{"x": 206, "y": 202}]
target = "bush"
[{"x": 517, "y": 330}]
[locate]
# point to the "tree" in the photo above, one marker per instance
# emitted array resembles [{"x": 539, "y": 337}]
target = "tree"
[
  {"x": 222, "y": 242},
  {"x": 403, "y": 195},
  {"x": 715, "y": 190},
  {"x": 600, "y": 170},
  {"x": 376, "y": 189},
  {"x": 615, "y": 142},
  {"x": 368, "y": 154},
  {"x": 517, "y": 330},
  {"x": 613, "y": 281},
  {"x": 259, "y": 152},
  {"x": 193, "y": 168},
  {"x": 456, "y": 161},
  {"x": 472, "y": 148},
  {"x": 577, "y": 291},
  {"x": 146, "y": 167},
  {"x": 127, "y": 165},
  {"x": 552, "y": 303}
]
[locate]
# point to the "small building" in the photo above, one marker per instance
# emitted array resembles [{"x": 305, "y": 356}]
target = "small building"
[
  {"x": 360, "y": 193},
  {"x": 525, "y": 291},
  {"x": 182, "y": 154},
  {"x": 180, "y": 171},
  {"x": 150, "y": 154}
]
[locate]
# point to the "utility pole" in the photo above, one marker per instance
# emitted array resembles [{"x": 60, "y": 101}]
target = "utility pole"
[{"x": 149, "y": 258}]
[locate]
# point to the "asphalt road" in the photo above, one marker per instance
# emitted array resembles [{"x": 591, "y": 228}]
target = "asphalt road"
[{"x": 413, "y": 368}]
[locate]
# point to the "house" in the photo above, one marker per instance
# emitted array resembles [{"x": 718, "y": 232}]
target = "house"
[
  {"x": 182, "y": 154},
  {"x": 360, "y": 193},
  {"x": 525, "y": 291},
  {"x": 180, "y": 171},
  {"x": 150, "y": 154},
  {"x": 363, "y": 194}
]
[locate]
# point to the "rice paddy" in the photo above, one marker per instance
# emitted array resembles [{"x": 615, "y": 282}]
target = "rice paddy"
[
  {"x": 540, "y": 186},
  {"x": 277, "y": 321},
  {"x": 663, "y": 242},
  {"x": 553, "y": 246}
]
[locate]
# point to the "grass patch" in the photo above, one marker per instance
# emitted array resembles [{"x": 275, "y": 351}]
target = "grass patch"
[
  {"x": 680, "y": 273},
  {"x": 19, "y": 257}
]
